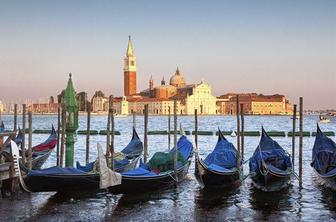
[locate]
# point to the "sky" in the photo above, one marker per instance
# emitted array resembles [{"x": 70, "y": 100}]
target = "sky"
[{"x": 284, "y": 47}]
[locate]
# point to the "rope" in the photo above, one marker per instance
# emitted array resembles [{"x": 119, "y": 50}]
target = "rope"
[
  {"x": 245, "y": 177},
  {"x": 264, "y": 165}
]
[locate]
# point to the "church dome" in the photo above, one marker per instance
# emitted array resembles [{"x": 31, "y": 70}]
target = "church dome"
[{"x": 177, "y": 79}]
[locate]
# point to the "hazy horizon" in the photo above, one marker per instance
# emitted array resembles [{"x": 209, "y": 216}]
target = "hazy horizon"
[{"x": 284, "y": 47}]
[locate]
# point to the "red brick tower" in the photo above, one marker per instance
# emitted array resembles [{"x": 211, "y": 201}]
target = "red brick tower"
[
  {"x": 130, "y": 71},
  {"x": 151, "y": 83}
]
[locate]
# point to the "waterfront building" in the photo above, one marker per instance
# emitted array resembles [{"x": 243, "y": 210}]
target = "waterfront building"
[
  {"x": 1, "y": 107},
  {"x": 254, "y": 103},
  {"x": 82, "y": 101},
  {"x": 99, "y": 102},
  {"x": 198, "y": 96},
  {"x": 160, "y": 98},
  {"x": 43, "y": 108}
]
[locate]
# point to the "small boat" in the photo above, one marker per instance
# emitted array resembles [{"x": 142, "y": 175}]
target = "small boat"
[
  {"x": 134, "y": 148},
  {"x": 40, "y": 153},
  {"x": 270, "y": 165},
  {"x": 324, "y": 119},
  {"x": 233, "y": 134},
  {"x": 324, "y": 158},
  {"x": 70, "y": 179},
  {"x": 158, "y": 173},
  {"x": 16, "y": 138},
  {"x": 121, "y": 116},
  {"x": 219, "y": 169}
]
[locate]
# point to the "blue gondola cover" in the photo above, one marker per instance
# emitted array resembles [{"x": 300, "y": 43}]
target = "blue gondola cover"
[
  {"x": 270, "y": 152},
  {"x": 324, "y": 154},
  {"x": 56, "y": 171},
  {"x": 223, "y": 157}
]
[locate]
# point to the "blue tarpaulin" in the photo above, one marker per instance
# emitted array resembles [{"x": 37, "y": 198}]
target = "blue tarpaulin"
[
  {"x": 324, "y": 154},
  {"x": 223, "y": 157},
  {"x": 185, "y": 149},
  {"x": 271, "y": 153},
  {"x": 56, "y": 171},
  {"x": 135, "y": 147}
]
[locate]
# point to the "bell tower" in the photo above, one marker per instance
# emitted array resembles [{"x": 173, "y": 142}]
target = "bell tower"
[{"x": 129, "y": 71}]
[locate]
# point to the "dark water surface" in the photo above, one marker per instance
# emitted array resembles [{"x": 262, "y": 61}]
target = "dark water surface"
[{"x": 187, "y": 202}]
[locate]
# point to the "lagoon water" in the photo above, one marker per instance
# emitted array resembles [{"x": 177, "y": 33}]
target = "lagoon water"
[{"x": 187, "y": 202}]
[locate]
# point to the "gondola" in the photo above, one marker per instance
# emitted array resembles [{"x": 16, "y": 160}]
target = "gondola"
[
  {"x": 134, "y": 148},
  {"x": 71, "y": 179},
  {"x": 324, "y": 158},
  {"x": 158, "y": 173},
  {"x": 40, "y": 152},
  {"x": 219, "y": 169},
  {"x": 17, "y": 139},
  {"x": 270, "y": 165}
]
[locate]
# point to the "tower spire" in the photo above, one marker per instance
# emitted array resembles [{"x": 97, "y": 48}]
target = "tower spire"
[
  {"x": 129, "y": 70},
  {"x": 177, "y": 71},
  {"x": 163, "y": 82},
  {"x": 151, "y": 83},
  {"x": 129, "y": 47}
]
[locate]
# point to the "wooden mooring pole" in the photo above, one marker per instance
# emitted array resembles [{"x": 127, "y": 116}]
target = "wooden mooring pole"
[
  {"x": 145, "y": 134},
  {"x": 293, "y": 137},
  {"x": 238, "y": 131},
  {"x": 134, "y": 120},
  {"x": 301, "y": 138},
  {"x": 88, "y": 126},
  {"x": 30, "y": 141},
  {"x": 63, "y": 135},
  {"x": 23, "y": 144},
  {"x": 175, "y": 141},
  {"x": 196, "y": 130},
  {"x": 112, "y": 135},
  {"x": 15, "y": 117},
  {"x": 108, "y": 132},
  {"x": 168, "y": 128},
  {"x": 242, "y": 130},
  {"x": 58, "y": 134}
]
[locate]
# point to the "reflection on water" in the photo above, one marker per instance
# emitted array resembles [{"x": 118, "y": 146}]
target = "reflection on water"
[
  {"x": 272, "y": 203},
  {"x": 207, "y": 199},
  {"x": 187, "y": 202}
]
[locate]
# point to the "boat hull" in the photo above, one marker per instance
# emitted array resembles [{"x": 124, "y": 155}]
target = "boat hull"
[
  {"x": 40, "y": 160},
  {"x": 68, "y": 182},
  {"x": 138, "y": 184},
  {"x": 62, "y": 183},
  {"x": 208, "y": 178},
  {"x": 330, "y": 181},
  {"x": 270, "y": 182}
]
